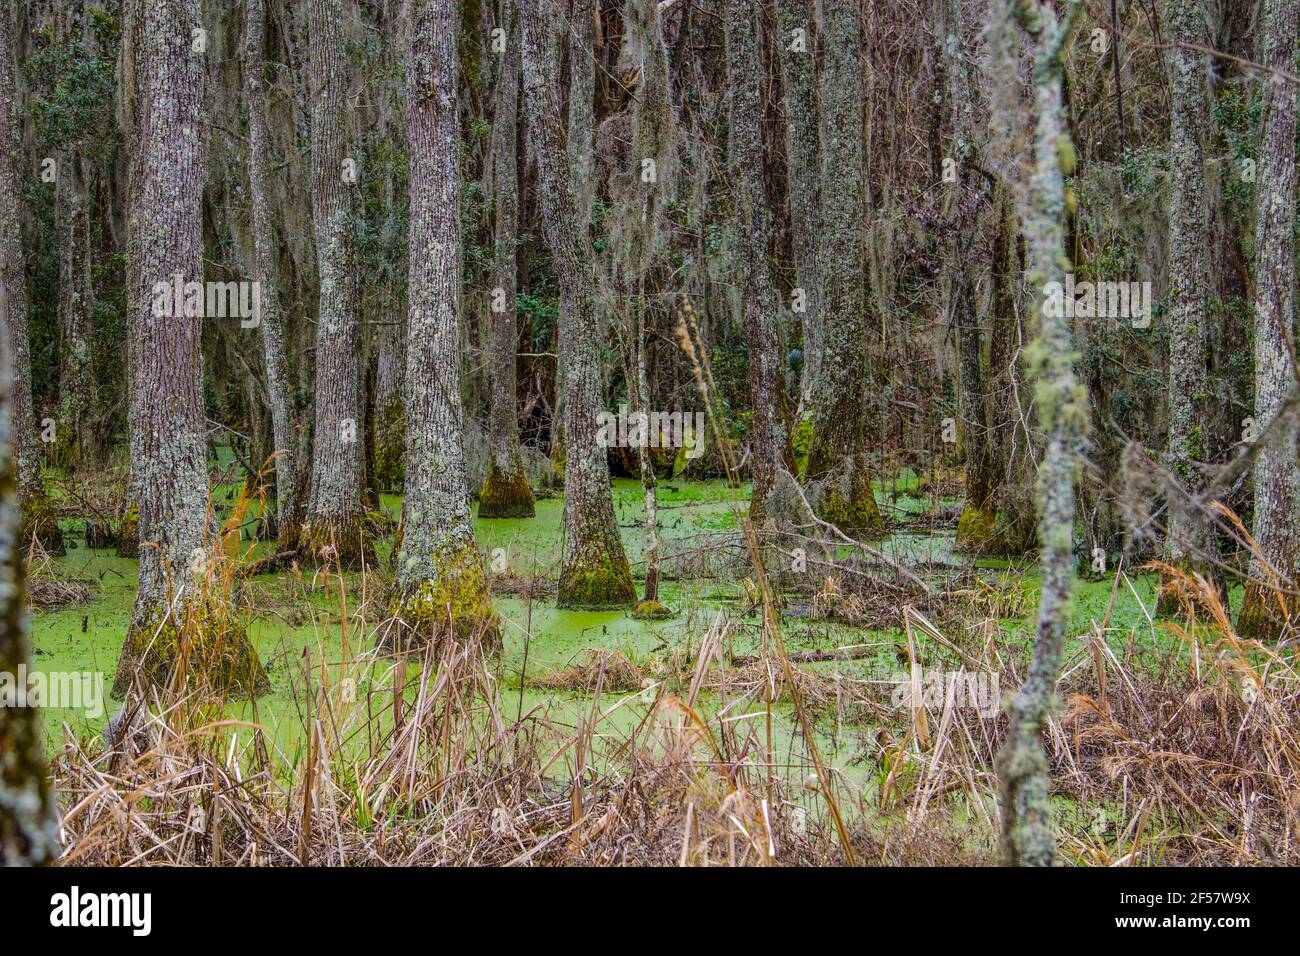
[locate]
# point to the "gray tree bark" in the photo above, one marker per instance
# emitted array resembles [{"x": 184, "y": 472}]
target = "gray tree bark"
[
  {"x": 642, "y": 194},
  {"x": 288, "y": 509},
  {"x": 953, "y": 93},
  {"x": 580, "y": 144},
  {"x": 769, "y": 440},
  {"x": 40, "y": 521},
  {"x": 335, "y": 527},
  {"x": 1028, "y": 837},
  {"x": 29, "y": 825},
  {"x": 839, "y": 469},
  {"x": 440, "y": 575},
  {"x": 798, "y": 71},
  {"x": 505, "y": 492},
  {"x": 595, "y": 569},
  {"x": 1276, "y": 529},
  {"x": 76, "y": 444},
  {"x": 170, "y": 622},
  {"x": 1189, "y": 543}
]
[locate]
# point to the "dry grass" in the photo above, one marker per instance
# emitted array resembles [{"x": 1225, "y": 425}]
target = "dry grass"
[{"x": 48, "y": 588}]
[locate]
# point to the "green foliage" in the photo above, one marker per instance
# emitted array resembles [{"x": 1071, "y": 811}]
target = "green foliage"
[
  {"x": 72, "y": 86},
  {"x": 540, "y": 307},
  {"x": 1140, "y": 169},
  {"x": 1236, "y": 120}
]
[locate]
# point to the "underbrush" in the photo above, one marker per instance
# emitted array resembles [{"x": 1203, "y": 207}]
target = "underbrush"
[{"x": 1188, "y": 756}]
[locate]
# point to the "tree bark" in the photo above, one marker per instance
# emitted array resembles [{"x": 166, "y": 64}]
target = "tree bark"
[
  {"x": 1273, "y": 568},
  {"x": 1008, "y": 524},
  {"x": 505, "y": 492},
  {"x": 335, "y": 528},
  {"x": 769, "y": 441},
  {"x": 171, "y": 622},
  {"x": 953, "y": 93},
  {"x": 595, "y": 570},
  {"x": 581, "y": 151},
  {"x": 288, "y": 510},
  {"x": 440, "y": 576},
  {"x": 800, "y": 78},
  {"x": 839, "y": 469},
  {"x": 1188, "y": 543},
  {"x": 76, "y": 446},
  {"x": 1028, "y": 837},
  {"x": 40, "y": 520},
  {"x": 29, "y": 823}
]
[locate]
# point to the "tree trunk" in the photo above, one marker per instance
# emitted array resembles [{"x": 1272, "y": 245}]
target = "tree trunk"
[
  {"x": 505, "y": 493},
  {"x": 581, "y": 151},
  {"x": 440, "y": 576},
  {"x": 769, "y": 442},
  {"x": 335, "y": 528},
  {"x": 953, "y": 93},
  {"x": 1007, "y": 525},
  {"x": 1276, "y": 529},
  {"x": 595, "y": 570},
  {"x": 171, "y": 623},
  {"x": 288, "y": 510},
  {"x": 641, "y": 201},
  {"x": 76, "y": 446},
  {"x": 839, "y": 470},
  {"x": 29, "y": 821},
  {"x": 1027, "y": 827},
  {"x": 40, "y": 520},
  {"x": 1189, "y": 543},
  {"x": 800, "y": 78}
]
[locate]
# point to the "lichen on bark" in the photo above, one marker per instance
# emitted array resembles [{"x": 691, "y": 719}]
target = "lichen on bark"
[
  {"x": 334, "y": 511},
  {"x": 595, "y": 570},
  {"x": 506, "y": 492},
  {"x": 440, "y": 581},
  {"x": 169, "y": 481},
  {"x": 1028, "y": 833},
  {"x": 839, "y": 464},
  {"x": 39, "y": 518},
  {"x": 1269, "y": 601}
]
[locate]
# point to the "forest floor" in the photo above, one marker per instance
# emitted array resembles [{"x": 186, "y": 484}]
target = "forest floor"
[{"x": 592, "y": 681}]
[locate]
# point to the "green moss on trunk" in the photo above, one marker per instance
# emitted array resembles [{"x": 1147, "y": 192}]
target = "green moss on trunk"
[
  {"x": 128, "y": 534},
  {"x": 342, "y": 541},
  {"x": 849, "y": 503},
  {"x": 651, "y": 610},
  {"x": 215, "y": 653},
  {"x": 454, "y": 603},
  {"x": 505, "y": 495},
  {"x": 1264, "y": 612},
  {"x": 975, "y": 530},
  {"x": 41, "y": 521},
  {"x": 597, "y": 581}
]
